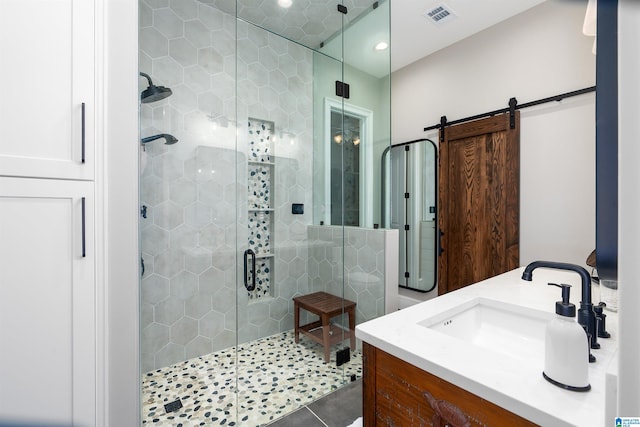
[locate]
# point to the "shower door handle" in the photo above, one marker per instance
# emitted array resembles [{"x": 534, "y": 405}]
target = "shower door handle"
[{"x": 252, "y": 286}]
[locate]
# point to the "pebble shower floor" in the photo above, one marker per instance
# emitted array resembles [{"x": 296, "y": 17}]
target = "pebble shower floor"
[{"x": 275, "y": 376}]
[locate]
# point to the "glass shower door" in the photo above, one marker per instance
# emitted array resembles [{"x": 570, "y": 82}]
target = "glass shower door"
[
  {"x": 188, "y": 213},
  {"x": 276, "y": 121}
]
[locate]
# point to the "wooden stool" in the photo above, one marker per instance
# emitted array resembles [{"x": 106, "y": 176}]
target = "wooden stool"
[{"x": 321, "y": 331}]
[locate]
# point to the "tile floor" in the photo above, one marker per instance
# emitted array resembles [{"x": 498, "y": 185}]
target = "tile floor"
[
  {"x": 338, "y": 409},
  {"x": 275, "y": 377}
]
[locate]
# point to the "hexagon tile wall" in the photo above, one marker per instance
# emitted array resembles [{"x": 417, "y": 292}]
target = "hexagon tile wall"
[{"x": 195, "y": 191}]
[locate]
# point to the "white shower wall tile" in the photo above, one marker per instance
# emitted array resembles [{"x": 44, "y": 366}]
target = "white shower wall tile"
[
  {"x": 197, "y": 306},
  {"x": 154, "y": 289},
  {"x": 171, "y": 351},
  {"x": 154, "y": 337},
  {"x": 167, "y": 22},
  {"x": 183, "y": 99},
  {"x": 145, "y": 15},
  {"x": 153, "y": 43},
  {"x": 364, "y": 278},
  {"x": 169, "y": 311},
  {"x": 184, "y": 331},
  {"x": 168, "y": 69},
  {"x": 197, "y": 33}
]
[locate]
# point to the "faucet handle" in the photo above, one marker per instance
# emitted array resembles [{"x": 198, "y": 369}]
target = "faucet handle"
[
  {"x": 601, "y": 319},
  {"x": 592, "y": 358}
]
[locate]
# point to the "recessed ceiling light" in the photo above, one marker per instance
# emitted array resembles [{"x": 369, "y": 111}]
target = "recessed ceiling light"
[
  {"x": 382, "y": 46},
  {"x": 285, "y": 3}
]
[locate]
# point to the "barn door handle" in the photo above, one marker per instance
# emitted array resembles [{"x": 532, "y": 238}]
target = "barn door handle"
[
  {"x": 440, "y": 234},
  {"x": 247, "y": 253}
]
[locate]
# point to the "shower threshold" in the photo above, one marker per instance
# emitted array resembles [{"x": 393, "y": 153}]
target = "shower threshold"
[{"x": 275, "y": 376}]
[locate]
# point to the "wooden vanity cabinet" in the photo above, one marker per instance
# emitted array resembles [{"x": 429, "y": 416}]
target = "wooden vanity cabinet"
[{"x": 397, "y": 393}]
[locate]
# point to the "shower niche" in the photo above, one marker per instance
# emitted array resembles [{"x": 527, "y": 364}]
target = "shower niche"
[{"x": 260, "y": 178}]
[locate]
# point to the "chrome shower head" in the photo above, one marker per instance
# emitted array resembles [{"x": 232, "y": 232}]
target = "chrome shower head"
[
  {"x": 169, "y": 139},
  {"x": 153, "y": 93}
]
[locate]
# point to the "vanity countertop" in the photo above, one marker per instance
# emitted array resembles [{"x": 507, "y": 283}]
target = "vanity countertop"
[{"x": 497, "y": 377}]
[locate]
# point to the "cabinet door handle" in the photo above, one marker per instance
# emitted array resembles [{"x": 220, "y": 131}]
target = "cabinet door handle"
[
  {"x": 82, "y": 136},
  {"x": 84, "y": 236}
]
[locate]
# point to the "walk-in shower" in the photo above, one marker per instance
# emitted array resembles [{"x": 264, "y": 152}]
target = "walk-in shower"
[{"x": 250, "y": 82}]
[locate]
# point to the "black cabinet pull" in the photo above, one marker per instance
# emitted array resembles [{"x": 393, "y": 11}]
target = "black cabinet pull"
[
  {"x": 83, "y": 132},
  {"x": 252, "y": 286},
  {"x": 84, "y": 236}
]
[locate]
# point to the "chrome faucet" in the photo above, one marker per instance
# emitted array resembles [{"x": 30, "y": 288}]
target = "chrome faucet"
[{"x": 586, "y": 315}]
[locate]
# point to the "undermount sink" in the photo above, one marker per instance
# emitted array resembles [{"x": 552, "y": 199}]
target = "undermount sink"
[{"x": 502, "y": 327}]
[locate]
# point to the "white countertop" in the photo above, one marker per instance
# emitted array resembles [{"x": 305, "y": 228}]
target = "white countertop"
[{"x": 494, "y": 376}]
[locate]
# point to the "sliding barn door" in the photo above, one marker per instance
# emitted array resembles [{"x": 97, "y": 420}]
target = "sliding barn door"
[{"x": 478, "y": 195}]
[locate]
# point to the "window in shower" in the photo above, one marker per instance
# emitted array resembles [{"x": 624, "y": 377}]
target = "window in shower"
[{"x": 349, "y": 169}]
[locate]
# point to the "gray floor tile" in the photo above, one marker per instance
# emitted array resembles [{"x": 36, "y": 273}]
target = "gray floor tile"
[
  {"x": 301, "y": 417},
  {"x": 340, "y": 408}
]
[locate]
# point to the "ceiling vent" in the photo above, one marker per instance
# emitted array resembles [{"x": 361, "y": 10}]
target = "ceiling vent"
[{"x": 440, "y": 14}]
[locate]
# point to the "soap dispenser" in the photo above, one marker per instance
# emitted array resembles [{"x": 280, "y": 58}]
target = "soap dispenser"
[{"x": 566, "y": 354}]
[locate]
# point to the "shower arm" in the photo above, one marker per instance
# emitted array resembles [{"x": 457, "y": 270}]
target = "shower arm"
[
  {"x": 152, "y": 138},
  {"x": 146, "y": 76}
]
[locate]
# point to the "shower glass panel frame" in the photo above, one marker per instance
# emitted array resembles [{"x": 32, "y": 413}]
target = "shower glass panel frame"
[
  {"x": 409, "y": 189},
  {"x": 229, "y": 231}
]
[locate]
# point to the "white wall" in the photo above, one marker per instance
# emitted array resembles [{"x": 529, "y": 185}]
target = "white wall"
[
  {"x": 628, "y": 207},
  {"x": 118, "y": 185},
  {"x": 537, "y": 54}
]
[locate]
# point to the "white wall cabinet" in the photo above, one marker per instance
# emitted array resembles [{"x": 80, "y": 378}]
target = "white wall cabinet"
[
  {"x": 48, "y": 88},
  {"x": 47, "y": 302},
  {"x": 48, "y": 329}
]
